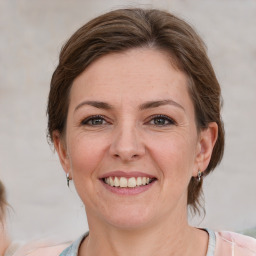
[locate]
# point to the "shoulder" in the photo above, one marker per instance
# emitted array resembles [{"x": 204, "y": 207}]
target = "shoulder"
[
  {"x": 41, "y": 248},
  {"x": 237, "y": 244},
  {"x": 12, "y": 248},
  {"x": 72, "y": 250}
]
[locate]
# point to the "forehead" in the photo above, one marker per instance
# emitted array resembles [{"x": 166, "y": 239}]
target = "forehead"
[{"x": 133, "y": 75}]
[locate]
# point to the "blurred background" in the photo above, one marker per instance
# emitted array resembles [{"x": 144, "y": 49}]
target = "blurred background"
[{"x": 32, "y": 33}]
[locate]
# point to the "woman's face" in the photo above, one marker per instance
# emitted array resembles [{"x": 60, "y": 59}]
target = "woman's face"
[{"x": 131, "y": 122}]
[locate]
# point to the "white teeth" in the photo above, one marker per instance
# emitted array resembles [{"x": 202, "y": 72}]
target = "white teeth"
[
  {"x": 111, "y": 181},
  {"x": 127, "y": 182},
  {"x": 116, "y": 182},
  {"x": 132, "y": 182},
  {"x": 139, "y": 181},
  {"x": 123, "y": 182}
]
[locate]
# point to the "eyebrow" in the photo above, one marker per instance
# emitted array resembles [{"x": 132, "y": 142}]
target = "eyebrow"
[
  {"x": 155, "y": 104},
  {"x": 146, "y": 105},
  {"x": 96, "y": 104}
]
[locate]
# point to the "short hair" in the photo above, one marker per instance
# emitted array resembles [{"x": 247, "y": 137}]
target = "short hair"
[{"x": 124, "y": 29}]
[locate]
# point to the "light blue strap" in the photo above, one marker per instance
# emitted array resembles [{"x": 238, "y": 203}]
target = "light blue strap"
[
  {"x": 212, "y": 242},
  {"x": 72, "y": 250}
]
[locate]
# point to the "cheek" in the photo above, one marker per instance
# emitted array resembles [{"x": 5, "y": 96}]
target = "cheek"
[
  {"x": 85, "y": 155},
  {"x": 175, "y": 155}
]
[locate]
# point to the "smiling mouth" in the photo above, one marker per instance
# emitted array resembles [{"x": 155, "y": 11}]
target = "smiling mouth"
[{"x": 123, "y": 182}]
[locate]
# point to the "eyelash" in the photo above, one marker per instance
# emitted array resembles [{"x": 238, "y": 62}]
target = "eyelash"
[
  {"x": 152, "y": 118},
  {"x": 165, "y": 118},
  {"x": 91, "y": 118}
]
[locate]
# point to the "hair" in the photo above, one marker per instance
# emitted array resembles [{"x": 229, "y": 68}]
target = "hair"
[
  {"x": 124, "y": 29},
  {"x": 3, "y": 202}
]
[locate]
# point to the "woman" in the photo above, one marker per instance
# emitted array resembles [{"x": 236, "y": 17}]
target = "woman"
[{"x": 134, "y": 114}]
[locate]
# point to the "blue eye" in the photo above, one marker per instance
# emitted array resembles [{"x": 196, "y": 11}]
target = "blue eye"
[
  {"x": 161, "y": 120},
  {"x": 94, "y": 121}
]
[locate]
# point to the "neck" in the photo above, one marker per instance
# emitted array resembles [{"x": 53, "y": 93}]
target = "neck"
[{"x": 169, "y": 236}]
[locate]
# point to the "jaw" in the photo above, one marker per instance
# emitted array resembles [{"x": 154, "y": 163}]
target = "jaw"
[{"x": 125, "y": 208}]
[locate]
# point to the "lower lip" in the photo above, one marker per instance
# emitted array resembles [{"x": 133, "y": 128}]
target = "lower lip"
[{"x": 128, "y": 191}]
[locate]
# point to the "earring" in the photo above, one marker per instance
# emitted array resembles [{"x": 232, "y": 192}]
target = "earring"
[
  {"x": 199, "y": 175},
  {"x": 68, "y": 179}
]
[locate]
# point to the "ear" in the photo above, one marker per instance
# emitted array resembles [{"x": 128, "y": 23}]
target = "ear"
[
  {"x": 207, "y": 140},
  {"x": 61, "y": 149}
]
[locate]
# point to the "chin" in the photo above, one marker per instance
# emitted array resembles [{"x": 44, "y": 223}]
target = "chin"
[{"x": 129, "y": 218}]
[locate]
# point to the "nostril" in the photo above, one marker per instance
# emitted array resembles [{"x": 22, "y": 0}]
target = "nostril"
[{"x": 126, "y": 157}]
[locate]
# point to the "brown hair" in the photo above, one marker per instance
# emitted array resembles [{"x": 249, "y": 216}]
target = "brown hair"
[
  {"x": 2, "y": 201},
  {"x": 123, "y": 29}
]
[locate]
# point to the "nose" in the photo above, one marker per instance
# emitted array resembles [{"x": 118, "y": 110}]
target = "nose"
[{"x": 127, "y": 144}]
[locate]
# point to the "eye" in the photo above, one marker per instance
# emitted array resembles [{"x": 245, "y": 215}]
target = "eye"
[
  {"x": 94, "y": 121},
  {"x": 161, "y": 120}
]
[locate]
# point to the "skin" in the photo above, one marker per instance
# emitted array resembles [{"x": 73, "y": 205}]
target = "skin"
[
  {"x": 4, "y": 240},
  {"x": 131, "y": 138}
]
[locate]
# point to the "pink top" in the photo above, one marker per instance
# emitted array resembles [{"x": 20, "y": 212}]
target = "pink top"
[
  {"x": 233, "y": 244},
  {"x": 222, "y": 243},
  {"x": 41, "y": 248}
]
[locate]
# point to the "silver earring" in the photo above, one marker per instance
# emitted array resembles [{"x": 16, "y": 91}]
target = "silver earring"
[
  {"x": 68, "y": 179},
  {"x": 199, "y": 175}
]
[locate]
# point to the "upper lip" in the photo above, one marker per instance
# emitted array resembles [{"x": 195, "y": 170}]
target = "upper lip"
[{"x": 126, "y": 174}]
